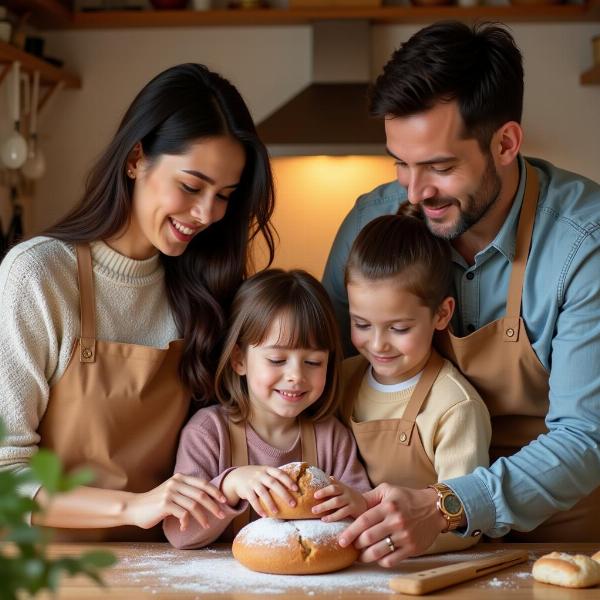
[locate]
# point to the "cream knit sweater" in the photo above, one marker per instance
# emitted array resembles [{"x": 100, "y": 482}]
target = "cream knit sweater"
[{"x": 39, "y": 322}]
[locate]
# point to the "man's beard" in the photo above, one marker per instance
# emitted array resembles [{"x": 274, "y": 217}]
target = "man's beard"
[{"x": 478, "y": 205}]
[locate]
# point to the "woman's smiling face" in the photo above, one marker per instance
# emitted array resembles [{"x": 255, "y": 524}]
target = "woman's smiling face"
[{"x": 177, "y": 196}]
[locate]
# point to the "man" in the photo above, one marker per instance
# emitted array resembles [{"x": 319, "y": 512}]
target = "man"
[{"x": 526, "y": 332}]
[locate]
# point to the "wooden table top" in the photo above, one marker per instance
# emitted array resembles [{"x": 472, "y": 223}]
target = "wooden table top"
[{"x": 158, "y": 571}]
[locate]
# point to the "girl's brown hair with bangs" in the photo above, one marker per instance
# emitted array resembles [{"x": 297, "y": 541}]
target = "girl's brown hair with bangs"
[{"x": 260, "y": 300}]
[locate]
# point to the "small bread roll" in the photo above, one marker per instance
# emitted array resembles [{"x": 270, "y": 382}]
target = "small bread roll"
[
  {"x": 560, "y": 568},
  {"x": 596, "y": 556},
  {"x": 309, "y": 479},
  {"x": 293, "y": 547}
]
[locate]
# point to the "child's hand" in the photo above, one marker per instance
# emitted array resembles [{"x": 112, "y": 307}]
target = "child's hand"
[
  {"x": 343, "y": 501},
  {"x": 256, "y": 482}
]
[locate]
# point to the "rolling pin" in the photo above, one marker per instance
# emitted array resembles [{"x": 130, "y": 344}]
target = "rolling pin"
[{"x": 423, "y": 582}]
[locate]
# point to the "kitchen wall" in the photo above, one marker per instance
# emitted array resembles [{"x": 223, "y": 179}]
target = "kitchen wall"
[{"x": 269, "y": 65}]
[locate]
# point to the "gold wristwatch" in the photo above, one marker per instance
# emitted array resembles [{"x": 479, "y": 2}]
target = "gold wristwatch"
[{"x": 449, "y": 506}]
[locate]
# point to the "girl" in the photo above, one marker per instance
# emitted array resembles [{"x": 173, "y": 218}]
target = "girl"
[
  {"x": 401, "y": 398},
  {"x": 99, "y": 353},
  {"x": 277, "y": 384}
]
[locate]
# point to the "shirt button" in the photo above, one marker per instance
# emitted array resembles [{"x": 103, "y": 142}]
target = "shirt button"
[
  {"x": 476, "y": 532},
  {"x": 470, "y": 276},
  {"x": 470, "y": 328}
]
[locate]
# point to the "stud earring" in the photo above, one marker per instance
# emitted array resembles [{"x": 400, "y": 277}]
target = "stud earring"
[{"x": 130, "y": 173}]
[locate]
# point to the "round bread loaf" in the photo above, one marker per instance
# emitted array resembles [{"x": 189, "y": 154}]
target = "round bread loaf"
[
  {"x": 302, "y": 547},
  {"x": 560, "y": 568},
  {"x": 309, "y": 479},
  {"x": 596, "y": 556}
]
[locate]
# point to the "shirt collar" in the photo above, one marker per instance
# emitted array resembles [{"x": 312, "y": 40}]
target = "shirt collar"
[{"x": 506, "y": 239}]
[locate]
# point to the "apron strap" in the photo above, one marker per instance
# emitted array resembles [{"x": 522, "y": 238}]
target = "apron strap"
[
  {"x": 87, "y": 304},
  {"x": 352, "y": 387},
  {"x": 512, "y": 321},
  {"x": 406, "y": 424},
  {"x": 239, "y": 458},
  {"x": 308, "y": 442},
  {"x": 419, "y": 395}
]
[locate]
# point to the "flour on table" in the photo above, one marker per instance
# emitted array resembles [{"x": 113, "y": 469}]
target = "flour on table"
[
  {"x": 510, "y": 581},
  {"x": 214, "y": 570},
  {"x": 218, "y": 572}
]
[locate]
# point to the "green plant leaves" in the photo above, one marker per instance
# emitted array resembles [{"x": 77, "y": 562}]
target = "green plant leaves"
[
  {"x": 25, "y": 534},
  {"x": 97, "y": 559},
  {"x": 24, "y": 565},
  {"x": 47, "y": 469},
  {"x": 76, "y": 479}
]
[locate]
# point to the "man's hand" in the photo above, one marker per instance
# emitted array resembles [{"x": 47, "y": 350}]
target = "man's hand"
[{"x": 407, "y": 518}]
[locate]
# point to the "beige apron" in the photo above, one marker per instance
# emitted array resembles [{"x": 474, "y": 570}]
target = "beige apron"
[
  {"x": 118, "y": 409},
  {"x": 239, "y": 458},
  {"x": 499, "y": 361},
  {"x": 392, "y": 449}
]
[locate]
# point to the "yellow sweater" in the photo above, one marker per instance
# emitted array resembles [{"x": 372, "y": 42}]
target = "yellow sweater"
[{"x": 454, "y": 425}]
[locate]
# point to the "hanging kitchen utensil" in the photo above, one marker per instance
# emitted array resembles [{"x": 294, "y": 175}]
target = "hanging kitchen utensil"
[
  {"x": 35, "y": 165},
  {"x": 14, "y": 149},
  {"x": 429, "y": 580}
]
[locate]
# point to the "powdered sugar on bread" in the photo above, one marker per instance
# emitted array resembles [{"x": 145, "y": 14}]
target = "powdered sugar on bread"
[
  {"x": 313, "y": 476},
  {"x": 293, "y": 547},
  {"x": 275, "y": 532}
]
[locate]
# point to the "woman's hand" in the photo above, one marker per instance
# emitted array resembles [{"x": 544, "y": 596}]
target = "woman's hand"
[
  {"x": 255, "y": 483},
  {"x": 179, "y": 496},
  {"x": 343, "y": 501}
]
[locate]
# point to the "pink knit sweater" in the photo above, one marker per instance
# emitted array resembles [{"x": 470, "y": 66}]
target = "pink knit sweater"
[{"x": 204, "y": 451}]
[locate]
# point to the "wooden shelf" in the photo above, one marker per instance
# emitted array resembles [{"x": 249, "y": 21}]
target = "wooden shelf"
[
  {"x": 382, "y": 15},
  {"x": 49, "y": 74},
  {"x": 591, "y": 77},
  {"x": 56, "y": 14},
  {"x": 44, "y": 13}
]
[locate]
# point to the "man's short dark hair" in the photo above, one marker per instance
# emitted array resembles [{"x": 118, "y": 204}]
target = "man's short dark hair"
[{"x": 480, "y": 67}]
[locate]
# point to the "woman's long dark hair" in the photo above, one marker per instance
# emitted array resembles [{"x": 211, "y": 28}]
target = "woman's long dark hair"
[{"x": 177, "y": 108}]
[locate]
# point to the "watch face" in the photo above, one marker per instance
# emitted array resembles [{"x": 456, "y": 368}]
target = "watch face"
[{"x": 452, "y": 504}]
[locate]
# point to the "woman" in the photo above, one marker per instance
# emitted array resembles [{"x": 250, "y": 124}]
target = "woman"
[{"x": 113, "y": 319}]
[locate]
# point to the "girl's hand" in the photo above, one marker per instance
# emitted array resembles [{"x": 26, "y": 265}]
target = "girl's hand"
[
  {"x": 343, "y": 501},
  {"x": 180, "y": 496},
  {"x": 255, "y": 483}
]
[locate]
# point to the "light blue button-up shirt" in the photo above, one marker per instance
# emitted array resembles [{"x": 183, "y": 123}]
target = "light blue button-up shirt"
[{"x": 561, "y": 311}]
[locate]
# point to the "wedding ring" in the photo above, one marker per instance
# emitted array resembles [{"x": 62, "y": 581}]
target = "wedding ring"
[{"x": 388, "y": 541}]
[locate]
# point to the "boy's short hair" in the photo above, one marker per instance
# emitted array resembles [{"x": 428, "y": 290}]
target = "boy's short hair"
[{"x": 402, "y": 248}]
